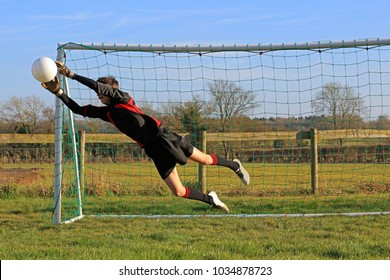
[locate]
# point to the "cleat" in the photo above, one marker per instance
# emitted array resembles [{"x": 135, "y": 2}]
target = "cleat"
[
  {"x": 217, "y": 203},
  {"x": 242, "y": 173}
]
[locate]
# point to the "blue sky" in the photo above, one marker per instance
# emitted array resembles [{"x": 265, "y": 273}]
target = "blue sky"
[{"x": 31, "y": 29}]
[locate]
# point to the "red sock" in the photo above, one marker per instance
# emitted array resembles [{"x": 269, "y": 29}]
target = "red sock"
[
  {"x": 195, "y": 194},
  {"x": 188, "y": 192},
  {"x": 215, "y": 159}
]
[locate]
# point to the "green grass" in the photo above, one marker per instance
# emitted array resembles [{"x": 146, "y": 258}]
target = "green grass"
[
  {"x": 170, "y": 205},
  {"x": 26, "y": 232}
]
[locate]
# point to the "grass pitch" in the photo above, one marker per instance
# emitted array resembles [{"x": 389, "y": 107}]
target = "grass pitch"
[{"x": 27, "y": 233}]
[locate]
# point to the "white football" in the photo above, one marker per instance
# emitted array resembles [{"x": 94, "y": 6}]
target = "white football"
[{"x": 44, "y": 69}]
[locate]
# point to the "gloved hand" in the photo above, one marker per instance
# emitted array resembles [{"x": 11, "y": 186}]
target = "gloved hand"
[
  {"x": 53, "y": 86},
  {"x": 64, "y": 70}
]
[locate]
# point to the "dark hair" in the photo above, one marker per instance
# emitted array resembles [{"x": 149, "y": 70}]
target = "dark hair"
[{"x": 109, "y": 80}]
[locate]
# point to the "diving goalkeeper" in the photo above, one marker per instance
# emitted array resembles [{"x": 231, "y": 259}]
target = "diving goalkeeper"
[{"x": 163, "y": 146}]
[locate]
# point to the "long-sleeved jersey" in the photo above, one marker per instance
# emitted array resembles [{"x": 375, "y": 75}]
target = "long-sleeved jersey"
[
  {"x": 163, "y": 146},
  {"x": 121, "y": 112}
]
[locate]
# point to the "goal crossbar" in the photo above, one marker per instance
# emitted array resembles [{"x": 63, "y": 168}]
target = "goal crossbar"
[{"x": 228, "y": 47}]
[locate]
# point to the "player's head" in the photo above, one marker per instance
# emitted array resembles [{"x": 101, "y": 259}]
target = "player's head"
[
  {"x": 104, "y": 98},
  {"x": 109, "y": 80}
]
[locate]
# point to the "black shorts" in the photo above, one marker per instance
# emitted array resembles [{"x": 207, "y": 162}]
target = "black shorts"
[{"x": 168, "y": 150}]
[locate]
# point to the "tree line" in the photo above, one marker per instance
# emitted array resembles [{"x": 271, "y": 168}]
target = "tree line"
[{"x": 337, "y": 106}]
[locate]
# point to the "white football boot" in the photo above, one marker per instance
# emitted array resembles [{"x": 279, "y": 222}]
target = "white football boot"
[{"x": 218, "y": 203}]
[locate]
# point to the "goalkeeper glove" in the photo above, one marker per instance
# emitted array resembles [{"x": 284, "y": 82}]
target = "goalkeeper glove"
[
  {"x": 64, "y": 70},
  {"x": 54, "y": 87}
]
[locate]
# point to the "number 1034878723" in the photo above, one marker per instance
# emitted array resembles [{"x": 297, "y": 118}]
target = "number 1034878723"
[{"x": 242, "y": 270}]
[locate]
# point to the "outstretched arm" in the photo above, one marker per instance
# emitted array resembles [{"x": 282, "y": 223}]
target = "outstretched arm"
[
  {"x": 64, "y": 70},
  {"x": 86, "y": 111},
  {"x": 101, "y": 88},
  {"x": 54, "y": 87}
]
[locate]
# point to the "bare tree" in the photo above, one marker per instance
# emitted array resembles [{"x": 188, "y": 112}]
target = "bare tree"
[
  {"x": 47, "y": 123},
  {"x": 341, "y": 103},
  {"x": 229, "y": 102},
  {"x": 25, "y": 114}
]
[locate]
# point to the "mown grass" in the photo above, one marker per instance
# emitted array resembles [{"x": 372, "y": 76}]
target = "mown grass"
[
  {"x": 169, "y": 205},
  {"x": 26, "y": 232}
]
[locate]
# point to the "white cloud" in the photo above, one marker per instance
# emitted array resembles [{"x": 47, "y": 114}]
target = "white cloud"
[{"x": 77, "y": 17}]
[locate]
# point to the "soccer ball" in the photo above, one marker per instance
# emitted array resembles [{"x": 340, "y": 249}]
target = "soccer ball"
[{"x": 44, "y": 69}]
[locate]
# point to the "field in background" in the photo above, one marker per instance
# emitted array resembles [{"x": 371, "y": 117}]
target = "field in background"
[{"x": 141, "y": 178}]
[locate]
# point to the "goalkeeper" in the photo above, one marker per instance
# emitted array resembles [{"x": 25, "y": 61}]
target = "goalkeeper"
[{"x": 163, "y": 146}]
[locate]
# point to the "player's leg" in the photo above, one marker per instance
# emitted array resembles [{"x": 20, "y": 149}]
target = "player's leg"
[
  {"x": 212, "y": 159},
  {"x": 174, "y": 183}
]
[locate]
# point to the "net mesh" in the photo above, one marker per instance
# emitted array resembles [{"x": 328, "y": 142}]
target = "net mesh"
[{"x": 342, "y": 92}]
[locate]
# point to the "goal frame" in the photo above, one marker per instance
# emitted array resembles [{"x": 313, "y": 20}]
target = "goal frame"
[{"x": 60, "y": 109}]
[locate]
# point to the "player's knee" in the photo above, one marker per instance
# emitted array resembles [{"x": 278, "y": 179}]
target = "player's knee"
[
  {"x": 178, "y": 193},
  {"x": 206, "y": 160},
  {"x": 201, "y": 157},
  {"x": 210, "y": 160}
]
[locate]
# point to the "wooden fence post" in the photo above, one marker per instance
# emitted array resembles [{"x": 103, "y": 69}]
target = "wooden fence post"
[
  {"x": 314, "y": 159},
  {"x": 313, "y": 136}
]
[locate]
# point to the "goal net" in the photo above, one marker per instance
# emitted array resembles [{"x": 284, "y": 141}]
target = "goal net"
[{"x": 308, "y": 120}]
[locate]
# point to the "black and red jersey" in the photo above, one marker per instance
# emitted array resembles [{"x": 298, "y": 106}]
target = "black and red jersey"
[{"x": 121, "y": 112}]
